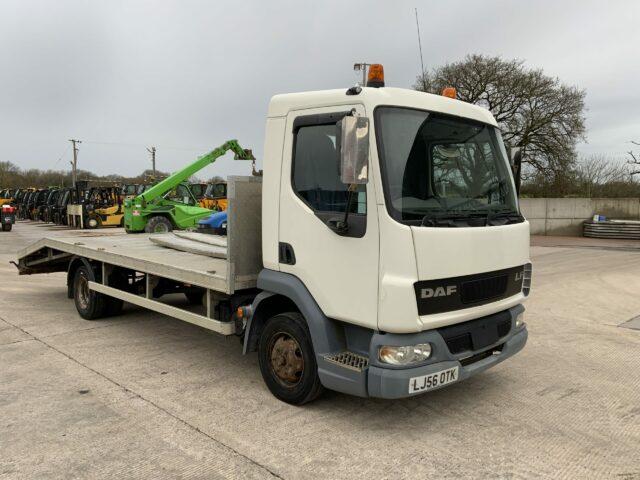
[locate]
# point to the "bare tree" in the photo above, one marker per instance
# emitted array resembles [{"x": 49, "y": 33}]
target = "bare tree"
[
  {"x": 536, "y": 113},
  {"x": 635, "y": 160},
  {"x": 597, "y": 171},
  {"x": 8, "y": 172}
]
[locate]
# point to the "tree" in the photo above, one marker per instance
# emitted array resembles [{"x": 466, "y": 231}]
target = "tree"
[
  {"x": 8, "y": 174},
  {"x": 635, "y": 160},
  {"x": 596, "y": 172},
  {"x": 535, "y": 112}
]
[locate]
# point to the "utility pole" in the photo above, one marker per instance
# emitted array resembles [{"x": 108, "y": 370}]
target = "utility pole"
[
  {"x": 152, "y": 151},
  {"x": 74, "y": 164}
]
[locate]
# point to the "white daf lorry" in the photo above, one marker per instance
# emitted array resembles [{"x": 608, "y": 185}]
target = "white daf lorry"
[{"x": 382, "y": 253}]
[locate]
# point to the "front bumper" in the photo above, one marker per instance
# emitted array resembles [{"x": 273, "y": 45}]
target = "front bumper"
[{"x": 386, "y": 381}]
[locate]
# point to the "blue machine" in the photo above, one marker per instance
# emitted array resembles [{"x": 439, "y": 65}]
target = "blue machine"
[{"x": 215, "y": 224}]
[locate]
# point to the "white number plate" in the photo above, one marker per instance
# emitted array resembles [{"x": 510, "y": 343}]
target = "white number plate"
[{"x": 433, "y": 380}]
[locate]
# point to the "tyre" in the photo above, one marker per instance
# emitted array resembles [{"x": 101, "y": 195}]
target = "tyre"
[
  {"x": 118, "y": 280},
  {"x": 158, "y": 224},
  {"x": 195, "y": 298},
  {"x": 287, "y": 360},
  {"x": 6, "y": 227},
  {"x": 93, "y": 222},
  {"x": 91, "y": 305},
  {"x": 113, "y": 306}
]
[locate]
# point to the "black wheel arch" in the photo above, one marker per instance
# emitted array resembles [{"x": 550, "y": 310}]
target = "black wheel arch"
[
  {"x": 284, "y": 292},
  {"x": 265, "y": 306}
]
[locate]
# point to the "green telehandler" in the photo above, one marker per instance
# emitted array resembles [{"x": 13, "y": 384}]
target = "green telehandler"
[{"x": 170, "y": 204}]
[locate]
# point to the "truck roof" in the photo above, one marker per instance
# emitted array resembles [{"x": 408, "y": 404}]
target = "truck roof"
[{"x": 281, "y": 105}]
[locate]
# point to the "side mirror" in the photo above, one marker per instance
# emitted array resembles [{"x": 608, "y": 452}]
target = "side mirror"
[
  {"x": 516, "y": 168},
  {"x": 354, "y": 150},
  {"x": 515, "y": 156}
]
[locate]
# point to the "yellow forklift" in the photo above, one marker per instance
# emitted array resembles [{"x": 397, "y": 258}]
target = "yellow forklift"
[
  {"x": 6, "y": 196},
  {"x": 104, "y": 208},
  {"x": 215, "y": 197}
]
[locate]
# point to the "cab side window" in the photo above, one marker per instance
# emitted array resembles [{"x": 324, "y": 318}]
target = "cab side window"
[{"x": 316, "y": 171}]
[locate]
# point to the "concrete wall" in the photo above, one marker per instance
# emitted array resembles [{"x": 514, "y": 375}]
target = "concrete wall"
[{"x": 564, "y": 216}]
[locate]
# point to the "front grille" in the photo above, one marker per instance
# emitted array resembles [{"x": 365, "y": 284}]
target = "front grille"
[
  {"x": 504, "y": 328},
  {"x": 483, "y": 289},
  {"x": 526, "y": 282},
  {"x": 460, "y": 343},
  {"x": 455, "y": 293},
  {"x": 481, "y": 356},
  {"x": 476, "y": 334}
]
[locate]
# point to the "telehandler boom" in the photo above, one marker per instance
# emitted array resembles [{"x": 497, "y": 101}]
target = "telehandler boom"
[{"x": 156, "y": 211}]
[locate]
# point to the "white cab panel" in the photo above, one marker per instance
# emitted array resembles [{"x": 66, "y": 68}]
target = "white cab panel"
[
  {"x": 340, "y": 272},
  {"x": 453, "y": 252},
  {"x": 274, "y": 138}
]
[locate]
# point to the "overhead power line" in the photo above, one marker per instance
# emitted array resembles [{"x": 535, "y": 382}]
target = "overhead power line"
[{"x": 166, "y": 147}]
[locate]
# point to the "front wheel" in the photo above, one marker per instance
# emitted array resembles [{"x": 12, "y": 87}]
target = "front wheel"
[
  {"x": 158, "y": 224},
  {"x": 93, "y": 222},
  {"x": 287, "y": 359},
  {"x": 6, "y": 227}
]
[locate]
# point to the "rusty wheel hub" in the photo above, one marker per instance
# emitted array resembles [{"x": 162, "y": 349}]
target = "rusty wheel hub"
[{"x": 286, "y": 359}]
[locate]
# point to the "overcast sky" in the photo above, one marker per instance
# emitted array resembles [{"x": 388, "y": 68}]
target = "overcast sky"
[{"x": 187, "y": 75}]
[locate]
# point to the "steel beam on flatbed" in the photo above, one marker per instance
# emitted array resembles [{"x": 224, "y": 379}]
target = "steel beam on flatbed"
[{"x": 224, "y": 328}]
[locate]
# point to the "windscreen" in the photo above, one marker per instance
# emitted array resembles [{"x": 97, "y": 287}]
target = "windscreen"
[{"x": 442, "y": 167}]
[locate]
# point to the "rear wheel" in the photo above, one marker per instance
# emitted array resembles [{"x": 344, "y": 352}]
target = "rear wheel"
[
  {"x": 90, "y": 304},
  {"x": 158, "y": 224},
  {"x": 6, "y": 227},
  {"x": 287, "y": 359}
]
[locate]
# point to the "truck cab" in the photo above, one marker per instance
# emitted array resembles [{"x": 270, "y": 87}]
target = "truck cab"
[{"x": 412, "y": 274}]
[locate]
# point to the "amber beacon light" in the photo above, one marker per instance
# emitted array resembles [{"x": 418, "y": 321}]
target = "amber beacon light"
[
  {"x": 449, "y": 92},
  {"x": 376, "y": 76}
]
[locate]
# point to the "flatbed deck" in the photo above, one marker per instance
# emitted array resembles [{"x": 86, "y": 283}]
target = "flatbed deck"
[{"x": 135, "y": 252}]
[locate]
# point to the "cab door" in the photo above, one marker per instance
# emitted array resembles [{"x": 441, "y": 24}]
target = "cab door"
[{"x": 340, "y": 270}]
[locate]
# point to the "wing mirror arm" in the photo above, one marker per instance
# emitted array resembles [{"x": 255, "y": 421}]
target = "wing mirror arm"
[{"x": 354, "y": 163}]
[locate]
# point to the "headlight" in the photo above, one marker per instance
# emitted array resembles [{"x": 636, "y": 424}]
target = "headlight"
[
  {"x": 404, "y": 355},
  {"x": 520, "y": 320}
]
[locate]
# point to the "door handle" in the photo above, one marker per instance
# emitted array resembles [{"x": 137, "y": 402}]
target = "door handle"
[{"x": 286, "y": 254}]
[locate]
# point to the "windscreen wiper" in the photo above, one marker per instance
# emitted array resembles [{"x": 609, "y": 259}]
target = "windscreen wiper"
[
  {"x": 510, "y": 216},
  {"x": 451, "y": 219}
]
